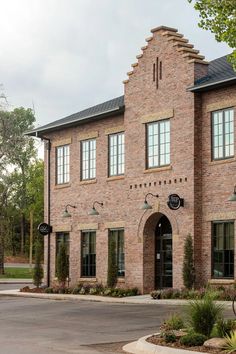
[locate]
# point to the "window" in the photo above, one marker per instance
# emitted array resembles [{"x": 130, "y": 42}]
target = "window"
[
  {"x": 63, "y": 237},
  {"x": 117, "y": 235},
  {"x": 116, "y": 154},
  {"x": 88, "y": 247},
  {"x": 88, "y": 161},
  {"x": 63, "y": 164},
  {"x": 223, "y": 134},
  {"x": 223, "y": 249},
  {"x": 158, "y": 144}
]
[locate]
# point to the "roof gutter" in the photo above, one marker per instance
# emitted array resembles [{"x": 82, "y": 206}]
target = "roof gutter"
[
  {"x": 211, "y": 85},
  {"x": 39, "y": 131}
]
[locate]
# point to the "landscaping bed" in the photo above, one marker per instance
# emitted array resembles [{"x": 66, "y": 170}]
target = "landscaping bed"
[
  {"x": 219, "y": 293},
  {"x": 84, "y": 289},
  {"x": 200, "y": 328},
  {"x": 158, "y": 340}
]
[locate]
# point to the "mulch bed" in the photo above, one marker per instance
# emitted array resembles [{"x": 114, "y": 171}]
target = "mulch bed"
[
  {"x": 27, "y": 289},
  {"x": 157, "y": 340}
]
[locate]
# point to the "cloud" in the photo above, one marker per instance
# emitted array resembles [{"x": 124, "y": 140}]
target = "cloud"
[{"x": 65, "y": 55}]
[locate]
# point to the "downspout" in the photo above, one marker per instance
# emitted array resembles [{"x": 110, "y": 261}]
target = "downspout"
[{"x": 48, "y": 147}]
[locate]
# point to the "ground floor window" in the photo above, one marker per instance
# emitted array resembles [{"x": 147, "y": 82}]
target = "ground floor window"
[
  {"x": 117, "y": 235},
  {"x": 88, "y": 254},
  {"x": 223, "y": 249},
  {"x": 63, "y": 237}
]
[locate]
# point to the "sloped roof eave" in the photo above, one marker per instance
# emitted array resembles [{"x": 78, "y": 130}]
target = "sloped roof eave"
[
  {"x": 210, "y": 85},
  {"x": 38, "y": 132}
]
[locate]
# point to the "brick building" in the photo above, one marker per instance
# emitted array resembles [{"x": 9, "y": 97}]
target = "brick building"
[{"x": 172, "y": 132}]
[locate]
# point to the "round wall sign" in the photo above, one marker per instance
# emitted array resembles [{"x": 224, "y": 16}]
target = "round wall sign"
[
  {"x": 44, "y": 229},
  {"x": 175, "y": 202}
]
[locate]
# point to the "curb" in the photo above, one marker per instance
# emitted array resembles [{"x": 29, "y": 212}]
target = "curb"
[
  {"x": 141, "y": 346},
  {"x": 135, "y": 300}
]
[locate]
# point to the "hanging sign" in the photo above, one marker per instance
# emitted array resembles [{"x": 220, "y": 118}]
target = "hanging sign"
[
  {"x": 175, "y": 202},
  {"x": 44, "y": 229}
]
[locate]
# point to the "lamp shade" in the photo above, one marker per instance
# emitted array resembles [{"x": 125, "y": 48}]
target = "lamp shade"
[
  {"x": 66, "y": 214},
  {"x": 232, "y": 198},
  {"x": 146, "y": 206},
  {"x": 93, "y": 211}
]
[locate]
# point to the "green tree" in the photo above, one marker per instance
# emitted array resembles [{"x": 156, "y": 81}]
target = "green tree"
[
  {"x": 112, "y": 264},
  {"x": 219, "y": 16},
  {"x": 188, "y": 263},
  {"x": 17, "y": 151},
  {"x": 62, "y": 265},
  {"x": 38, "y": 270}
]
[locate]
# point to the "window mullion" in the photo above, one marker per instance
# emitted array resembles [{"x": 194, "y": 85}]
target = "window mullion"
[
  {"x": 117, "y": 154},
  {"x": 89, "y": 142},
  {"x": 63, "y": 165},
  {"x": 158, "y": 144},
  {"x": 223, "y": 130}
]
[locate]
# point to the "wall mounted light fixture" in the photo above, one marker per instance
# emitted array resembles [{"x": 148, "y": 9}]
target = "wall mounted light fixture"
[
  {"x": 93, "y": 210},
  {"x": 232, "y": 198},
  {"x": 66, "y": 213},
  {"x": 146, "y": 205}
]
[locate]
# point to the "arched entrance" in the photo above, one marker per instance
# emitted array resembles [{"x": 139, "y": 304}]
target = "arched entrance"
[
  {"x": 163, "y": 252},
  {"x": 157, "y": 252}
]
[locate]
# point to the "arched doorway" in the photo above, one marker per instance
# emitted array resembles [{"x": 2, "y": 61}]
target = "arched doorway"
[
  {"x": 163, "y": 253},
  {"x": 157, "y": 252}
]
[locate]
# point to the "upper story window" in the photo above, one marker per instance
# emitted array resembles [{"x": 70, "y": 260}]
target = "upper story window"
[
  {"x": 116, "y": 154},
  {"x": 88, "y": 162},
  {"x": 63, "y": 164},
  {"x": 158, "y": 144},
  {"x": 223, "y": 134}
]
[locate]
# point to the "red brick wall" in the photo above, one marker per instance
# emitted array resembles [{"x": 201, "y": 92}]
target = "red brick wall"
[{"x": 203, "y": 186}]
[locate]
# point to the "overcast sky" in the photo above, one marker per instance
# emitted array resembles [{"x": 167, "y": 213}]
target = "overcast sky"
[{"x": 65, "y": 55}]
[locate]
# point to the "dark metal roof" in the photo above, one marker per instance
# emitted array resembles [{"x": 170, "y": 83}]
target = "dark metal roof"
[
  {"x": 102, "y": 110},
  {"x": 220, "y": 72}
]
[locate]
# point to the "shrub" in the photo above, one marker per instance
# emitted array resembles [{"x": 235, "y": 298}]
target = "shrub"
[
  {"x": 203, "y": 314},
  {"x": 38, "y": 270},
  {"x": 230, "y": 342},
  {"x": 82, "y": 291},
  {"x": 112, "y": 264},
  {"x": 76, "y": 290},
  {"x": 155, "y": 294},
  {"x": 48, "y": 290},
  {"x": 62, "y": 265},
  {"x": 169, "y": 337},
  {"x": 193, "y": 339},
  {"x": 188, "y": 265},
  {"x": 175, "y": 322},
  {"x": 93, "y": 291},
  {"x": 224, "y": 327}
]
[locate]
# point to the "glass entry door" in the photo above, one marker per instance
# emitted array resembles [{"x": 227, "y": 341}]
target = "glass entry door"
[{"x": 163, "y": 254}]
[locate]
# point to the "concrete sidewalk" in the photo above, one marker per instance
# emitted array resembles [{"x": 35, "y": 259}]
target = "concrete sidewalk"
[{"x": 139, "y": 299}]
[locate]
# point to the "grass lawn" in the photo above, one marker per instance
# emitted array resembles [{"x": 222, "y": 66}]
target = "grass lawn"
[{"x": 17, "y": 273}]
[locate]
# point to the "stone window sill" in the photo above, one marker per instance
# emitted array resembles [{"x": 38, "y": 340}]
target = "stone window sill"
[
  {"x": 220, "y": 162},
  {"x": 121, "y": 279},
  {"x": 158, "y": 169},
  {"x": 221, "y": 281},
  {"x": 88, "y": 181},
  {"x": 85, "y": 279},
  {"x": 61, "y": 186},
  {"x": 115, "y": 178}
]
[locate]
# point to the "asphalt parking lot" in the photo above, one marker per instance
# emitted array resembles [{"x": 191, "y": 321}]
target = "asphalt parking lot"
[
  {"x": 36, "y": 326},
  {"x": 33, "y": 326}
]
